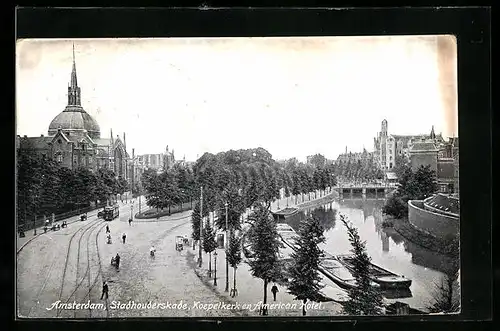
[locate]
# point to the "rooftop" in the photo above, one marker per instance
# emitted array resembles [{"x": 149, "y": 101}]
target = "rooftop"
[
  {"x": 421, "y": 146},
  {"x": 445, "y": 203}
]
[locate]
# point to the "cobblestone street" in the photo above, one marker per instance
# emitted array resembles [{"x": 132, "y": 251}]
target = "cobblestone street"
[{"x": 70, "y": 264}]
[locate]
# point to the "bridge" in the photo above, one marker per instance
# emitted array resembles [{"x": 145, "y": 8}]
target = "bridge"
[{"x": 374, "y": 190}]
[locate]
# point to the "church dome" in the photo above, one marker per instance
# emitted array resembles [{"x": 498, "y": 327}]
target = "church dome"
[{"x": 75, "y": 118}]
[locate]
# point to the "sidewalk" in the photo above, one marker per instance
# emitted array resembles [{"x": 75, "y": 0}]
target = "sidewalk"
[
  {"x": 251, "y": 291},
  {"x": 29, "y": 235}
]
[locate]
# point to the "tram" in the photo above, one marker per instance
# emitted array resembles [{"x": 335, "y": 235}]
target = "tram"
[{"x": 111, "y": 212}]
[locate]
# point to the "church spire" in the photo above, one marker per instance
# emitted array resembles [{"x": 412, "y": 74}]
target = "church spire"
[
  {"x": 73, "y": 89},
  {"x": 432, "y": 135}
]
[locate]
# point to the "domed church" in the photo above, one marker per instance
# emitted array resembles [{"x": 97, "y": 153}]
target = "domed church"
[{"x": 74, "y": 139}]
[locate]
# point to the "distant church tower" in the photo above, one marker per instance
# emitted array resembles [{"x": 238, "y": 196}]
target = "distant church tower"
[{"x": 432, "y": 135}]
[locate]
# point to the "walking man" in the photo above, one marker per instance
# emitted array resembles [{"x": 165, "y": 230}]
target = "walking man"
[
  {"x": 107, "y": 229},
  {"x": 124, "y": 236},
  {"x": 274, "y": 289},
  {"x": 104, "y": 290},
  {"x": 129, "y": 222},
  {"x": 117, "y": 260}
]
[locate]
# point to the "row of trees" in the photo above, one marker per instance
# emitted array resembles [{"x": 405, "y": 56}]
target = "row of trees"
[
  {"x": 246, "y": 178},
  {"x": 43, "y": 187},
  {"x": 364, "y": 169},
  {"x": 249, "y": 180}
]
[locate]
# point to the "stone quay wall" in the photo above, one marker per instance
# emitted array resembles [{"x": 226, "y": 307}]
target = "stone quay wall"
[{"x": 436, "y": 224}]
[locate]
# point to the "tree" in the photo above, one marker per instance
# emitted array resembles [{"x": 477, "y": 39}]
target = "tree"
[
  {"x": 400, "y": 165},
  {"x": 169, "y": 190},
  {"x": 264, "y": 244},
  {"x": 318, "y": 161},
  {"x": 412, "y": 186},
  {"x": 426, "y": 184},
  {"x": 364, "y": 299},
  {"x": 236, "y": 208},
  {"x": 233, "y": 256},
  {"x": 209, "y": 243},
  {"x": 395, "y": 207},
  {"x": 195, "y": 223},
  {"x": 84, "y": 186},
  {"x": 304, "y": 270},
  {"x": 154, "y": 189},
  {"x": 122, "y": 185},
  {"x": 296, "y": 183}
]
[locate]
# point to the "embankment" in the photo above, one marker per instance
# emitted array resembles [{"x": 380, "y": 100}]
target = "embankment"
[
  {"x": 318, "y": 202},
  {"x": 447, "y": 246}
]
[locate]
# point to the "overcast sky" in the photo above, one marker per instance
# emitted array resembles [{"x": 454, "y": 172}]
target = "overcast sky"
[{"x": 291, "y": 96}]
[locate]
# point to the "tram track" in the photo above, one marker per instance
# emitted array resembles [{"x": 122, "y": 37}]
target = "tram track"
[
  {"x": 85, "y": 229},
  {"x": 87, "y": 274},
  {"x": 51, "y": 268}
]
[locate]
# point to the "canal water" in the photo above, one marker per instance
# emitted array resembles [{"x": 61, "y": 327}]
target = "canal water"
[{"x": 385, "y": 246}]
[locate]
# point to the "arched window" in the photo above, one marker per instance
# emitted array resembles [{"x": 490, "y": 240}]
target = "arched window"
[{"x": 59, "y": 157}]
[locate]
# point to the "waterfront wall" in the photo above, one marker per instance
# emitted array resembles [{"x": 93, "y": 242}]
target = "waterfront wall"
[
  {"x": 320, "y": 201},
  {"x": 438, "y": 225}
]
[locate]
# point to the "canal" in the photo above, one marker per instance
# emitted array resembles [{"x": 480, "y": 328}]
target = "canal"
[{"x": 385, "y": 246}]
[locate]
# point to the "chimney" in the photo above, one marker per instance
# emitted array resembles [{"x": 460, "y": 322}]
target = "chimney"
[
  {"x": 124, "y": 141},
  {"x": 133, "y": 153}
]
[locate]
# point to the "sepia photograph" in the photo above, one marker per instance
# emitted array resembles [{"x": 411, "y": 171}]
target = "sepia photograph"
[{"x": 237, "y": 177}]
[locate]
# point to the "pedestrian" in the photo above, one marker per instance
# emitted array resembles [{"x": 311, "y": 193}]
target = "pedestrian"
[
  {"x": 117, "y": 260},
  {"x": 274, "y": 289},
  {"x": 105, "y": 290},
  {"x": 124, "y": 236},
  {"x": 129, "y": 221},
  {"x": 152, "y": 251},
  {"x": 107, "y": 229}
]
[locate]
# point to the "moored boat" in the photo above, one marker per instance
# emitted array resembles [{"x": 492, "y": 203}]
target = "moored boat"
[
  {"x": 287, "y": 234},
  {"x": 284, "y": 213},
  {"x": 337, "y": 273},
  {"x": 384, "y": 278}
]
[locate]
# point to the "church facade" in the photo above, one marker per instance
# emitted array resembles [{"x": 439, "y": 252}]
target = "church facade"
[{"x": 74, "y": 139}]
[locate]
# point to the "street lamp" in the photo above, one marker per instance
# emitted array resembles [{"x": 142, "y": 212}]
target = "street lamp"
[
  {"x": 34, "y": 219},
  {"x": 215, "y": 268},
  {"x": 200, "y": 258},
  {"x": 226, "y": 247}
]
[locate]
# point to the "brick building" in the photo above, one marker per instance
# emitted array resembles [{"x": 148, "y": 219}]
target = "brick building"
[{"x": 74, "y": 139}]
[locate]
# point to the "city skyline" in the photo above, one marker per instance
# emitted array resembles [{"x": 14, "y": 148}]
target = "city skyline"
[{"x": 192, "y": 94}]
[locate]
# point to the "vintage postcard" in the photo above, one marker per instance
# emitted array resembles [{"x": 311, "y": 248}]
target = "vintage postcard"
[{"x": 237, "y": 177}]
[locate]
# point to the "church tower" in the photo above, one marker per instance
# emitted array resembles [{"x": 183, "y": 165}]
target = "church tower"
[
  {"x": 432, "y": 135},
  {"x": 74, "y": 94}
]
